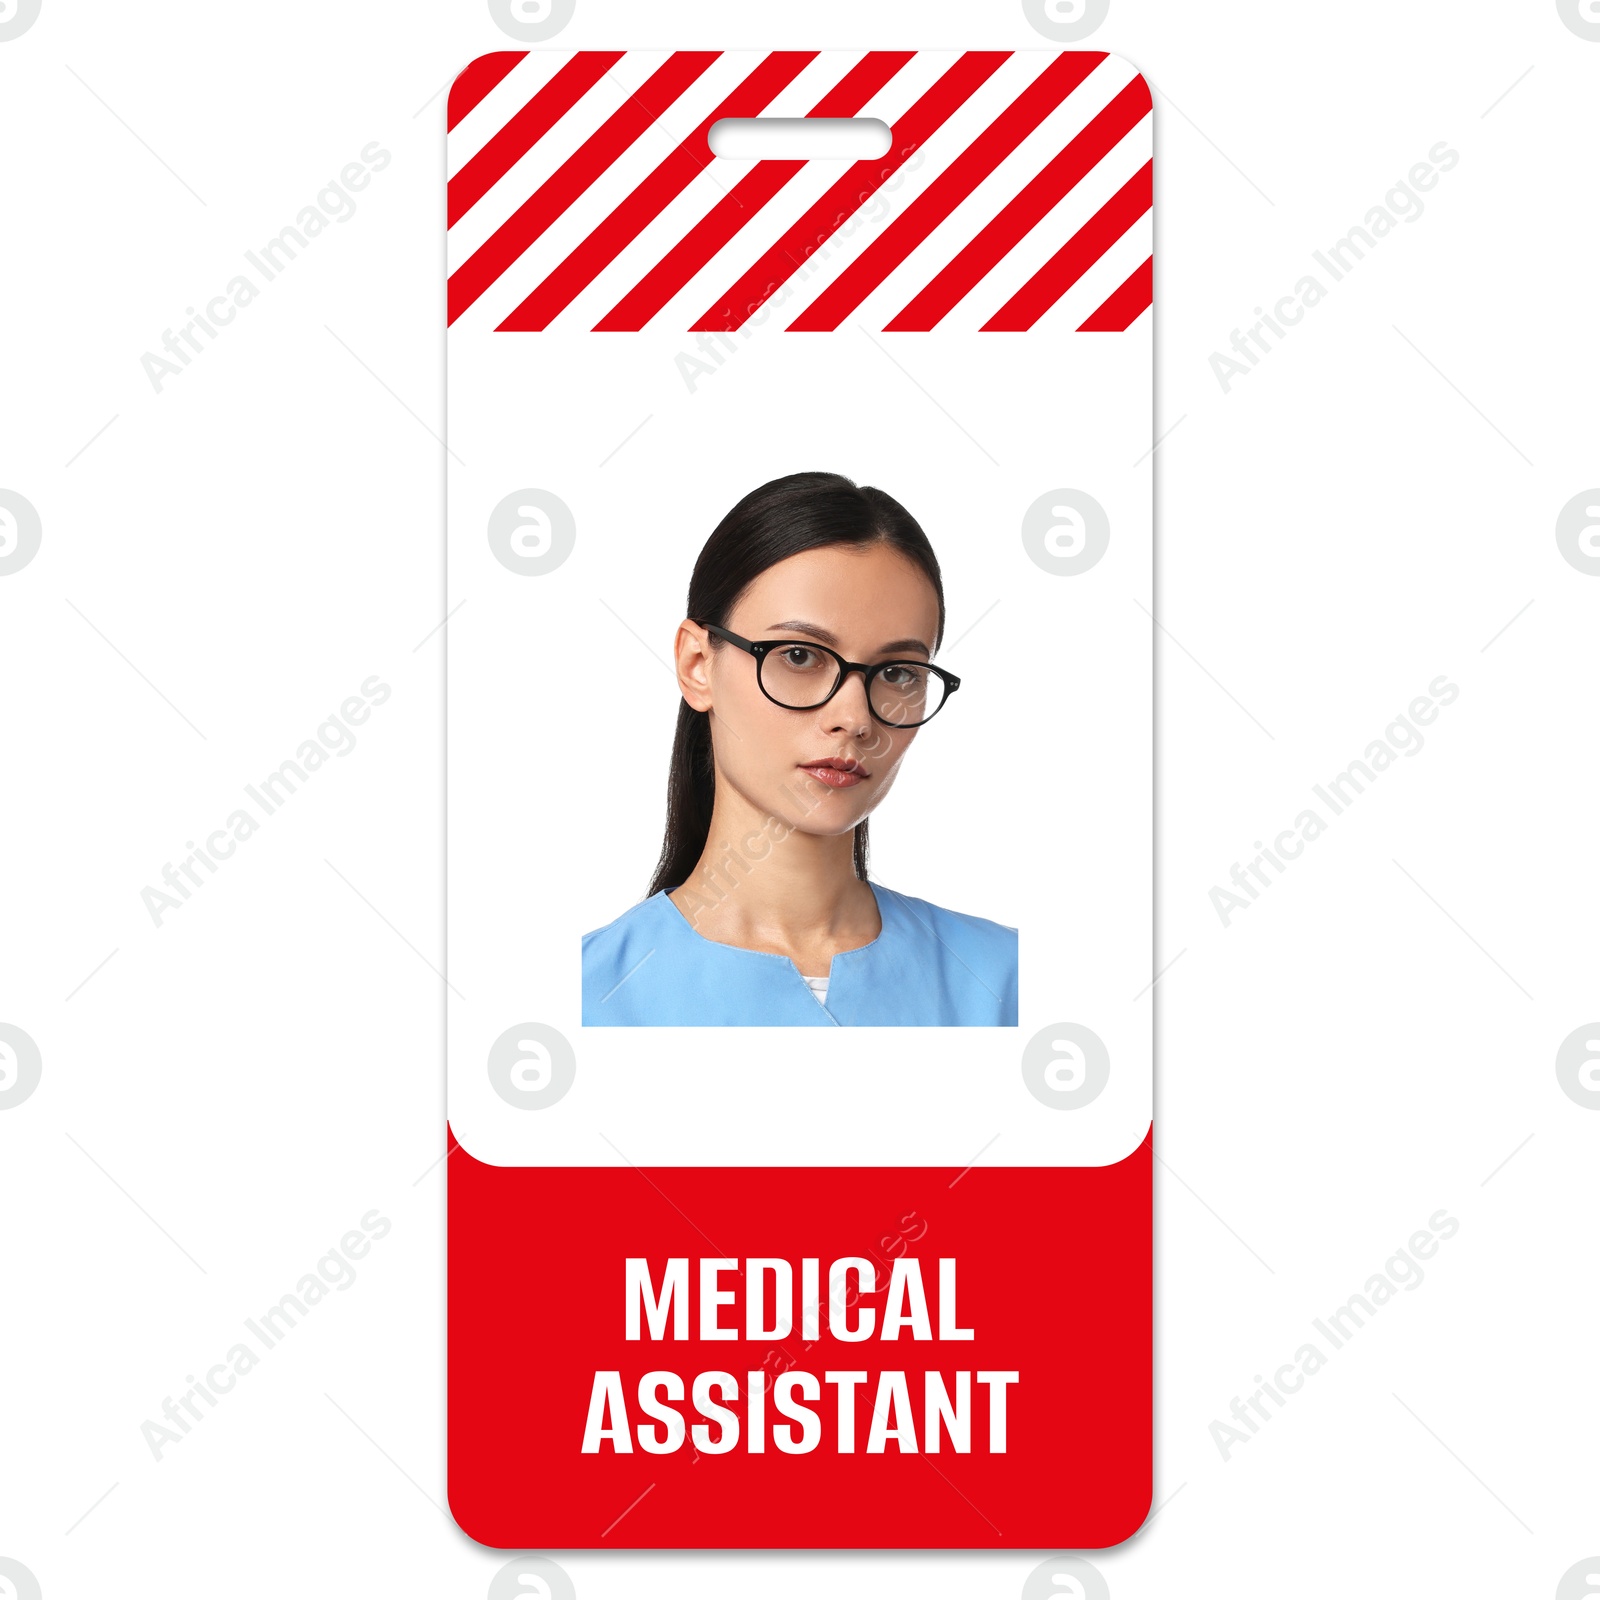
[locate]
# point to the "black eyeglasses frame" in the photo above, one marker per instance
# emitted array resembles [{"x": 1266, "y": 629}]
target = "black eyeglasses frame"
[{"x": 761, "y": 648}]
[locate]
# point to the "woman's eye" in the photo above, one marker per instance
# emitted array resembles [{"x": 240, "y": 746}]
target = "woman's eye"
[
  {"x": 800, "y": 658},
  {"x": 899, "y": 677}
]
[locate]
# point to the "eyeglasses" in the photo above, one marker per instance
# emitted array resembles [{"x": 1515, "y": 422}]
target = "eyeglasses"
[{"x": 800, "y": 675}]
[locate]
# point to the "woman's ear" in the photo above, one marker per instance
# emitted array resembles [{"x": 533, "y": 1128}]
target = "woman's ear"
[{"x": 692, "y": 650}]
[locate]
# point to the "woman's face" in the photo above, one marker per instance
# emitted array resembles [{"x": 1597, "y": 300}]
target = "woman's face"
[{"x": 818, "y": 771}]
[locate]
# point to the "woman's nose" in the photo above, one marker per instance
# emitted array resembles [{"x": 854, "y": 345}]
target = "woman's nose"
[{"x": 848, "y": 709}]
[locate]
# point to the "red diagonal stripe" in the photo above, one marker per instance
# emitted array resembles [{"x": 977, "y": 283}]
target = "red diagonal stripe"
[
  {"x": 1015, "y": 220},
  {"x": 651, "y": 198},
  {"x": 845, "y": 197},
  {"x": 541, "y": 208},
  {"x": 1076, "y": 256},
  {"x": 947, "y": 191},
  {"x": 475, "y": 80},
  {"x": 525, "y": 130},
  {"x": 1127, "y": 305},
  {"x": 743, "y": 201}
]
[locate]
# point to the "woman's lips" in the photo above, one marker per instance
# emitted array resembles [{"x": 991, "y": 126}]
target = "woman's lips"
[{"x": 836, "y": 774}]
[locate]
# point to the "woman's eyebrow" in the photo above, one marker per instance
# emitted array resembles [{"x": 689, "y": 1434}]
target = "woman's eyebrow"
[{"x": 832, "y": 639}]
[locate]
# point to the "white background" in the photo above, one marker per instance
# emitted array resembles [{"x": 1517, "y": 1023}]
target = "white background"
[
  {"x": 1027, "y": 802},
  {"x": 1373, "y": 1040}
]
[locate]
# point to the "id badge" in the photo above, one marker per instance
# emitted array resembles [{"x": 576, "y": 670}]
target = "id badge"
[{"x": 800, "y": 799}]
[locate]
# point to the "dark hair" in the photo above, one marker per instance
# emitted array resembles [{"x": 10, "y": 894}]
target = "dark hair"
[{"x": 804, "y": 511}]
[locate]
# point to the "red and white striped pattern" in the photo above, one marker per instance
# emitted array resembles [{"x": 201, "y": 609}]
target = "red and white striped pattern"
[{"x": 583, "y": 194}]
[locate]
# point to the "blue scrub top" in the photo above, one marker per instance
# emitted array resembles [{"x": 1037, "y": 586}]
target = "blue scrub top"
[{"x": 928, "y": 968}]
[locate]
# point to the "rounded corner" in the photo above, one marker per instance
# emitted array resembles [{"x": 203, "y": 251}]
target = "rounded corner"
[
  {"x": 483, "y": 1541},
  {"x": 1137, "y": 78},
  {"x": 454, "y": 1142},
  {"x": 476, "y": 79},
  {"x": 462, "y": 1145},
  {"x": 1141, "y": 1150},
  {"x": 1137, "y": 1153},
  {"x": 1146, "y": 1503}
]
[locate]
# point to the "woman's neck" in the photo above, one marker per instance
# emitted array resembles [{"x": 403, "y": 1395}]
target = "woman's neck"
[{"x": 760, "y": 885}]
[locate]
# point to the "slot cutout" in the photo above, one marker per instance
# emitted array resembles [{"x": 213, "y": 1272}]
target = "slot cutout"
[{"x": 799, "y": 138}]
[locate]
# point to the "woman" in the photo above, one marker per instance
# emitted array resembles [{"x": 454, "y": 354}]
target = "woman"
[{"x": 805, "y": 665}]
